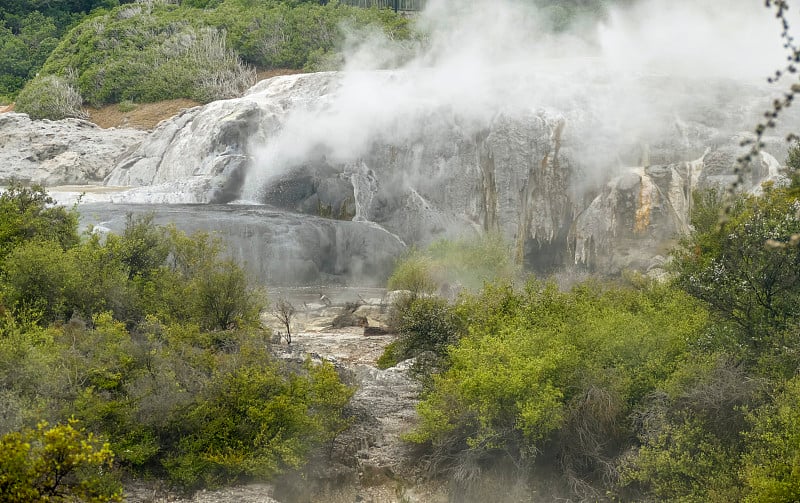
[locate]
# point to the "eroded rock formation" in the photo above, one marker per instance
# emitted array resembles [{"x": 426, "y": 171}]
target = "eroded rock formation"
[
  {"x": 597, "y": 174},
  {"x": 559, "y": 181},
  {"x": 67, "y": 152}
]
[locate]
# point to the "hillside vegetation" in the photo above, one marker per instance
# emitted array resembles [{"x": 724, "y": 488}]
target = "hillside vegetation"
[
  {"x": 142, "y": 353},
  {"x": 152, "y": 51},
  {"x": 623, "y": 390},
  {"x": 56, "y": 57}
]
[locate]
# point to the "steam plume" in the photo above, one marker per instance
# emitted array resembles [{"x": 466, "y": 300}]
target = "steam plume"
[{"x": 629, "y": 78}]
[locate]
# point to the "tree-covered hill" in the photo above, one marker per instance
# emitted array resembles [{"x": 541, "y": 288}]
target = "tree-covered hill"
[
  {"x": 105, "y": 52},
  {"x": 110, "y": 51}
]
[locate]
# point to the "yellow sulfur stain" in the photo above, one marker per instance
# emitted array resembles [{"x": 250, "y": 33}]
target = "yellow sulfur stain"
[{"x": 642, "y": 219}]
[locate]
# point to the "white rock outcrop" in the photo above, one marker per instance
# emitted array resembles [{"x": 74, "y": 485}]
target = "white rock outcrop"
[{"x": 65, "y": 152}]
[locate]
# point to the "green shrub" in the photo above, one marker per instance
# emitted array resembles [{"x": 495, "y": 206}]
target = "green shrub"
[
  {"x": 424, "y": 324},
  {"x": 50, "y": 97},
  {"x": 24, "y": 49},
  {"x": 226, "y": 298},
  {"x": 541, "y": 363},
  {"x": 154, "y": 340},
  {"x": 772, "y": 460},
  {"x": 471, "y": 262},
  {"x": 685, "y": 461},
  {"x": 198, "y": 286},
  {"x": 391, "y": 356},
  {"x": 413, "y": 272},
  {"x": 56, "y": 464},
  {"x": 450, "y": 265},
  {"x": 746, "y": 271},
  {"x": 126, "y": 106},
  {"x": 691, "y": 434},
  {"x": 256, "y": 422},
  {"x": 36, "y": 277},
  {"x": 28, "y": 213},
  {"x": 150, "y": 52}
]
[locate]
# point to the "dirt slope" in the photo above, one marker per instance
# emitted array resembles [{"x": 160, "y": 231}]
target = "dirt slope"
[{"x": 146, "y": 116}]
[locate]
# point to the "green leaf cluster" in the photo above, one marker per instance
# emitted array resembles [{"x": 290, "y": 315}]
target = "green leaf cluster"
[
  {"x": 534, "y": 361},
  {"x": 51, "y": 97},
  {"x": 29, "y": 31},
  {"x": 56, "y": 464},
  {"x": 426, "y": 326},
  {"x": 684, "y": 391},
  {"x": 747, "y": 269}
]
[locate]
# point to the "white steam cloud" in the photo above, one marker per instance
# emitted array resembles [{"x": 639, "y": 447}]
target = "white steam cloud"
[{"x": 634, "y": 75}]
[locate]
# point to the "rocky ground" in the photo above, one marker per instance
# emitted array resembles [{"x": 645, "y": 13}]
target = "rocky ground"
[{"x": 369, "y": 462}]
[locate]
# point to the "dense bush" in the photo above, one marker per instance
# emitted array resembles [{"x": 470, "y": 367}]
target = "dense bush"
[
  {"x": 552, "y": 374},
  {"x": 747, "y": 269},
  {"x": 424, "y": 325},
  {"x": 153, "y": 340},
  {"x": 24, "y": 50},
  {"x": 772, "y": 460},
  {"x": 149, "y": 52},
  {"x": 635, "y": 391},
  {"x": 29, "y": 213},
  {"x": 50, "y": 97},
  {"x": 29, "y": 31},
  {"x": 56, "y": 464},
  {"x": 428, "y": 325},
  {"x": 413, "y": 272},
  {"x": 450, "y": 265}
]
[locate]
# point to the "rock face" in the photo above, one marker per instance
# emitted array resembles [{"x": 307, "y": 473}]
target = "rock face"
[
  {"x": 67, "y": 152},
  {"x": 639, "y": 214},
  {"x": 591, "y": 170},
  {"x": 276, "y": 247},
  {"x": 555, "y": 180}
]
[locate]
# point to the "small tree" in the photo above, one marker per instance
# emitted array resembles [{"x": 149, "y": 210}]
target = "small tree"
[
  {"x": 413, "y": 272},
  {"x": 285, "y": 311}
]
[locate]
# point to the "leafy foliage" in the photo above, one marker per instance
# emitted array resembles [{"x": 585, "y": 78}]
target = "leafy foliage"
[
  {"x": 772, "y": 463},
  {"x": 673, "y": 392},
  {"x": 152, "y": 339},
  {"x": 412, "y": 273},
  {"x": 448, "y": 266},
  {"x": 56, "y": 464},
  {"x": 256, "y": 422},
  {"x": 149, "y": 52},
  {"x": 746, "y": 270},
  {"x": 28, "y": 213},
  {"x": 470, "y": 262},
  {"x": 540, "y": 361},
  {"x": 36, "y": 280},
  {"x": 51, "y": 97},
  {"x": 425, "y": 325},
  {"x": 24, "y": 49}
]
